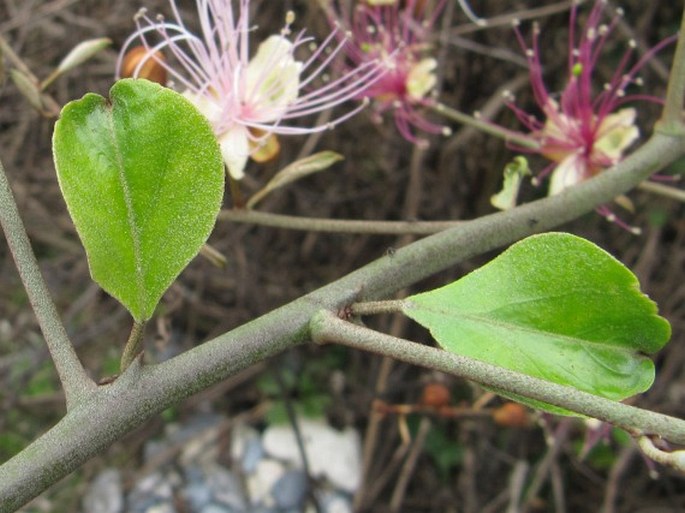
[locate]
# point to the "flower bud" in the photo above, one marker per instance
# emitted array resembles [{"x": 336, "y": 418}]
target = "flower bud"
[
  {"x": 82, "y": 52},
  {"x": 266, "y": 148},
  {"x": 152, "y": 68},
  {"x": 511, "y": 415},
  {"x": 435, "y": 395}
]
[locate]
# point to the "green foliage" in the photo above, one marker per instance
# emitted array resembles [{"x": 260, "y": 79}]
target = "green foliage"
[
  {"x": 309, "y": 397},
  {"x": 111, "y": 364},
  {"x": 553, "y": 306},
  {"x": 676, "y": 168},
  {"x": 309, "y": 407},
  {"x": 18, "y": 297},
  {"x": 142, "y": 177},
  {"x": 658, "y": 217},
  {"x": 11, "y": 443},
  {"x": 445, "y": 451},
  {"x": 602, "y": 455},
  {"x": 171, "y": 414},
  {"x": 43, "y": 381},
  {"x": 307, "y": 386}
]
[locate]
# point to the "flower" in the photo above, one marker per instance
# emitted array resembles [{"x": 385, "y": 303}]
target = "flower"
[
  {"x": 247, "y": 100},
  {"x": 583, "y": 133},
  {"x": 397, "y": 33}
]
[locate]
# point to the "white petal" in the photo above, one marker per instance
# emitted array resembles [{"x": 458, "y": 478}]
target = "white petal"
[
  {"x": 570, "y": 172},
  {"x": 618, "y": 132},
  {"x": 205, "y": 105},
  {"x": 422, "y": 78},
  {"x": 235, "y": 149},
  {"x": 272, "y": 79}
]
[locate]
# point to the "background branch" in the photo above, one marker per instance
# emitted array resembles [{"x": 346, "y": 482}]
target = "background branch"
[
  {"x": 326, "y": 327},
  {"x": 77, "y": 385},
  {"x": 672, "y": 116},
  {"x": 318, "y": 224}
]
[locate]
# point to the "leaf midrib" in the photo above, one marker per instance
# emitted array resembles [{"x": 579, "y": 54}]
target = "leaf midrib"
[
  {"x": 481, "y": 318},
  {"x": 130, "y": 213}
]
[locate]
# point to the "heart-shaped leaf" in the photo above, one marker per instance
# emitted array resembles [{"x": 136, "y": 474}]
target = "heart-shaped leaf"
[
  {"x": 553, "y": 306},
  {"x": 143, "y": 179}
]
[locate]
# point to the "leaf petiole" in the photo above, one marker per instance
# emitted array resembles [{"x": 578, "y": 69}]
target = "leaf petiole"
[
  {"x": 134, "y": 345},
  {"x": 377, "y": 307}
]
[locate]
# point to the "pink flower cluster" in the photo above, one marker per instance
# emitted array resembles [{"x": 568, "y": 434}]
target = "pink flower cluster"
[
  {"x": 584, "y": 131},
  {"x": 398, "y": 34},
  {"x": 248, "y": 98}
]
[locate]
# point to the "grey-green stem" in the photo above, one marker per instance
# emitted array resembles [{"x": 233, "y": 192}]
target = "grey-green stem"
[
  {"x": 326, "y": 327},
  {"x": 663, "y": 190},
  {"x": 511, "y": 136},
  {"x": 672, "y": 117},
  {"x": 142, "y": 392},
  {"x": 77, "y": 385},
  {"x": 317, "y": 224}
]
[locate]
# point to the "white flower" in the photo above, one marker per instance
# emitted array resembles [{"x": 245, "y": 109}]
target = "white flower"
[{"x": 247, "y": 100}]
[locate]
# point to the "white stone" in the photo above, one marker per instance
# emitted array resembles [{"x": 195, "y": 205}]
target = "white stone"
[
  {"x": 105, "y": 494},
  {"x": 331, "y": 454},
  {"x": 242, "y": 436},
  {"x": 259, "y": 484},
  {"x": 161, "y": 508},
  {"x": 338, "y": 505}
]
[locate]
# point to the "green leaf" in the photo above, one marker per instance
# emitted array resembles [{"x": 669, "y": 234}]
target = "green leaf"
[
  {"x": 142, "y": 176},
  {"x": 555, "y": 307}
]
